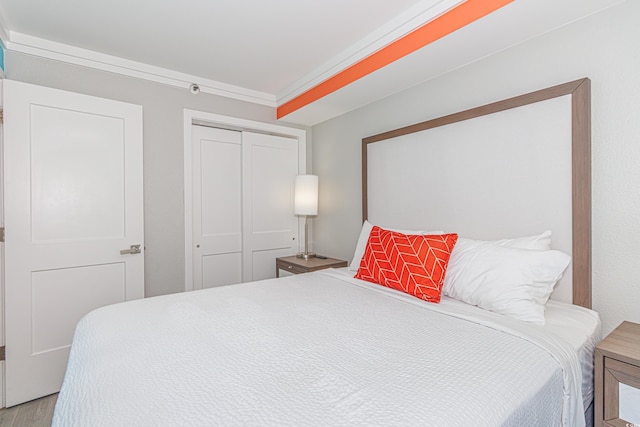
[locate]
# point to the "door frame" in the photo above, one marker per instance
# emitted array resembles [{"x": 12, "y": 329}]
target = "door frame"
[
  {"x": 194, "y": 117},
  {"x": 2, "y": 337}
]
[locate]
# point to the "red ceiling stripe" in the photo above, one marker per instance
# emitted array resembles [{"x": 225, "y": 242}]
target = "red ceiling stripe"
[{"x": 456, "y": 18}]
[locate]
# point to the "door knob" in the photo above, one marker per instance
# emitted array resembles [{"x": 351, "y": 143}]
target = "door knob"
[{"x": 133, "y": 249}]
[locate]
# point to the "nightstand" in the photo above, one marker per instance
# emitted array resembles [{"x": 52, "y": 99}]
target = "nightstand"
[
  {"x": 296, "y": 265},
  {"x": 617, "y": 377}
]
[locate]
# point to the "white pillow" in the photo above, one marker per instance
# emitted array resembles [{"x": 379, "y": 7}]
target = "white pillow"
[
  {"x": 540, "y": 242},
  {"x": 511, "y": 281},
  {"x": 364, "y": 237}
]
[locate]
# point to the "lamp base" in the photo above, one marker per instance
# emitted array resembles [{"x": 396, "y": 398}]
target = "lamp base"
[{"x": 306, "y": 255}]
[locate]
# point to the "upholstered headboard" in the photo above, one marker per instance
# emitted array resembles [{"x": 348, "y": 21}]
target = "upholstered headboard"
[{"x": 511, "y": 168}]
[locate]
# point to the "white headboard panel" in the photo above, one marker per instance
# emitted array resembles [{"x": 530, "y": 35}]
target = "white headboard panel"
[{"x": 503, "y": 170}]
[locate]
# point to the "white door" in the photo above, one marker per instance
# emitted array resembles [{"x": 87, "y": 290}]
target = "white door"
[
  {"x": 73, "y": 201},
  {"x": 217, "y": 206},
  {"x": 270, "y": 229},
  {"x": 242, "y": 199}
]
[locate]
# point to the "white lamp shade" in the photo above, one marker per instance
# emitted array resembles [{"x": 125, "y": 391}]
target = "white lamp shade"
[{"x": 306, "y": 195}]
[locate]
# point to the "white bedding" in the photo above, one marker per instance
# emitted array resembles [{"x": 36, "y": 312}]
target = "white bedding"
[
  {"x": 578, "y": 326},
  {"x": 581, "y": 328},
  {"x": 314, "y": 349}
]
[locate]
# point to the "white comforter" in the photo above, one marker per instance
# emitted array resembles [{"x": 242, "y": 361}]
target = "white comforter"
[{"x": 314, "y": 349}]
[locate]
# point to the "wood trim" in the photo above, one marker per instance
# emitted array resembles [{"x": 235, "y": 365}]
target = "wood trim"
[
  {"x": 581, "y": 169},
  {"x": 580, "y": 91},
  {"x": 617, "y": 423},
  {"x": 611, "y": 397},
  {"x": 616, "y": 372},
  {"x": 365, "y": 171},
  {"x": 483, "y": 110},
  {"x": 598, "y": 387},
  {"x": 296, "y": 265},
  {"x": 616, "y": 359},
  {"x": 623, "y": 344}
]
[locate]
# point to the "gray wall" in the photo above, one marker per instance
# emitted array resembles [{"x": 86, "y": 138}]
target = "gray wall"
[
  {"x": 603, "y": 47},
  {"x": 163, "y": 144}
]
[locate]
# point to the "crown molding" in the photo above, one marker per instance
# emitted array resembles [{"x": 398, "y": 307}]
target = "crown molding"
[
  {"x": 401, "y": 25},
  {"x": 411, "y": 19},
  {"x": 418, "y": 15},
  {"x": 31, "y": 45}
]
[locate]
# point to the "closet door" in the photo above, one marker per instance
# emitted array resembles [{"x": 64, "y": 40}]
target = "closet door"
[
  {"x": 217, "y": 207},
  {"x": 242, "y": 209},
  {"x": 270, "y": 229}
]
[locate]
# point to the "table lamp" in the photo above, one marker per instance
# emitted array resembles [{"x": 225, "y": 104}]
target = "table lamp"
[{"x": 306, "y": 203}]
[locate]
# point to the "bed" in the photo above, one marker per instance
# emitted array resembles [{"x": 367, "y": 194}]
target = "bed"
[{"x": 328, "y": 348}]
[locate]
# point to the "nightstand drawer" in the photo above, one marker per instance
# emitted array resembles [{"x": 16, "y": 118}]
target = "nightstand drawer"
[
  {"x": 297, "y": 265},
  {"x": 292, "y": 268},
  {"x": 617, "y": 377}
]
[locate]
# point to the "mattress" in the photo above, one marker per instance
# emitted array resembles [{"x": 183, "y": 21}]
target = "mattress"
[
  {"x": 581, "y": 328},
  {"x": 314, "y": 349},
  {"x": 578, "y": 326}
]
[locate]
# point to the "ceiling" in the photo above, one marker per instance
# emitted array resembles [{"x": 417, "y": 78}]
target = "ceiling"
[{"x": 280, "y": 48}]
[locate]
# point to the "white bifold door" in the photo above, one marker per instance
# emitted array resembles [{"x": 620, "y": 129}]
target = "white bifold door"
[
  {"x": 242, "y": 204},
  {"x": 73, "y": 202}
]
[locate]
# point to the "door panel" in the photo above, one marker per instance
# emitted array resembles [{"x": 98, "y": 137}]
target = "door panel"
[
  {"x": 60, "y": 297},
  {"x": 220, "y": 177},
  {"x": 217, "y": 207},
  {"x": 73, "y": 200},
  {"x": 270, "y": 228},
  {"x": 273, "y": 169},
  {"x": 221, "y": 269},
  {"x": 264, "y": 263},
  {"x": 64, "y": 207}
]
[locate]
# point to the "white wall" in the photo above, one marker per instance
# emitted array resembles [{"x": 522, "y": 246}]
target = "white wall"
[
  {"x": 603, "y": 47},
  {"x": 163, "y": 149}
]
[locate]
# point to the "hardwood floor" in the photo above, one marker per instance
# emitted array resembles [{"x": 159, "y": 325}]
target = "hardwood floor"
[{"x": 36, "y": 413}]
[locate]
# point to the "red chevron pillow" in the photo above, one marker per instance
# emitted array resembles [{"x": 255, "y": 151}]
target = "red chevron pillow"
[{"x": 415, "y": 264}]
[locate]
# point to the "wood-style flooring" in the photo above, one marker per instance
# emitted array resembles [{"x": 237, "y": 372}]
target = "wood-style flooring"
[{"x": 36, "y": 413}]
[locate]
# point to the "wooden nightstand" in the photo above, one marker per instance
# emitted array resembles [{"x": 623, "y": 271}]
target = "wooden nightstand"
[
  {"x": 617, "y": 361},
  {"x": 296, "y": 265}
]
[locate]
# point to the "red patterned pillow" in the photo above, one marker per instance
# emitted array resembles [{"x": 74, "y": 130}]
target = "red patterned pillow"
[{"x": 415, "y": 264}]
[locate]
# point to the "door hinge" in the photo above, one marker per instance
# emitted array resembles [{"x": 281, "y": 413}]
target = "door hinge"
[
  {"x": 1, "y": 116},
  {"x": 2, "y": 353},
  {"x": 2, "y": 234}
]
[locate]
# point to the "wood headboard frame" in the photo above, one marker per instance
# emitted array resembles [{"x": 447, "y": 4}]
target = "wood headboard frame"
[{"x": 580, "y": 91}]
